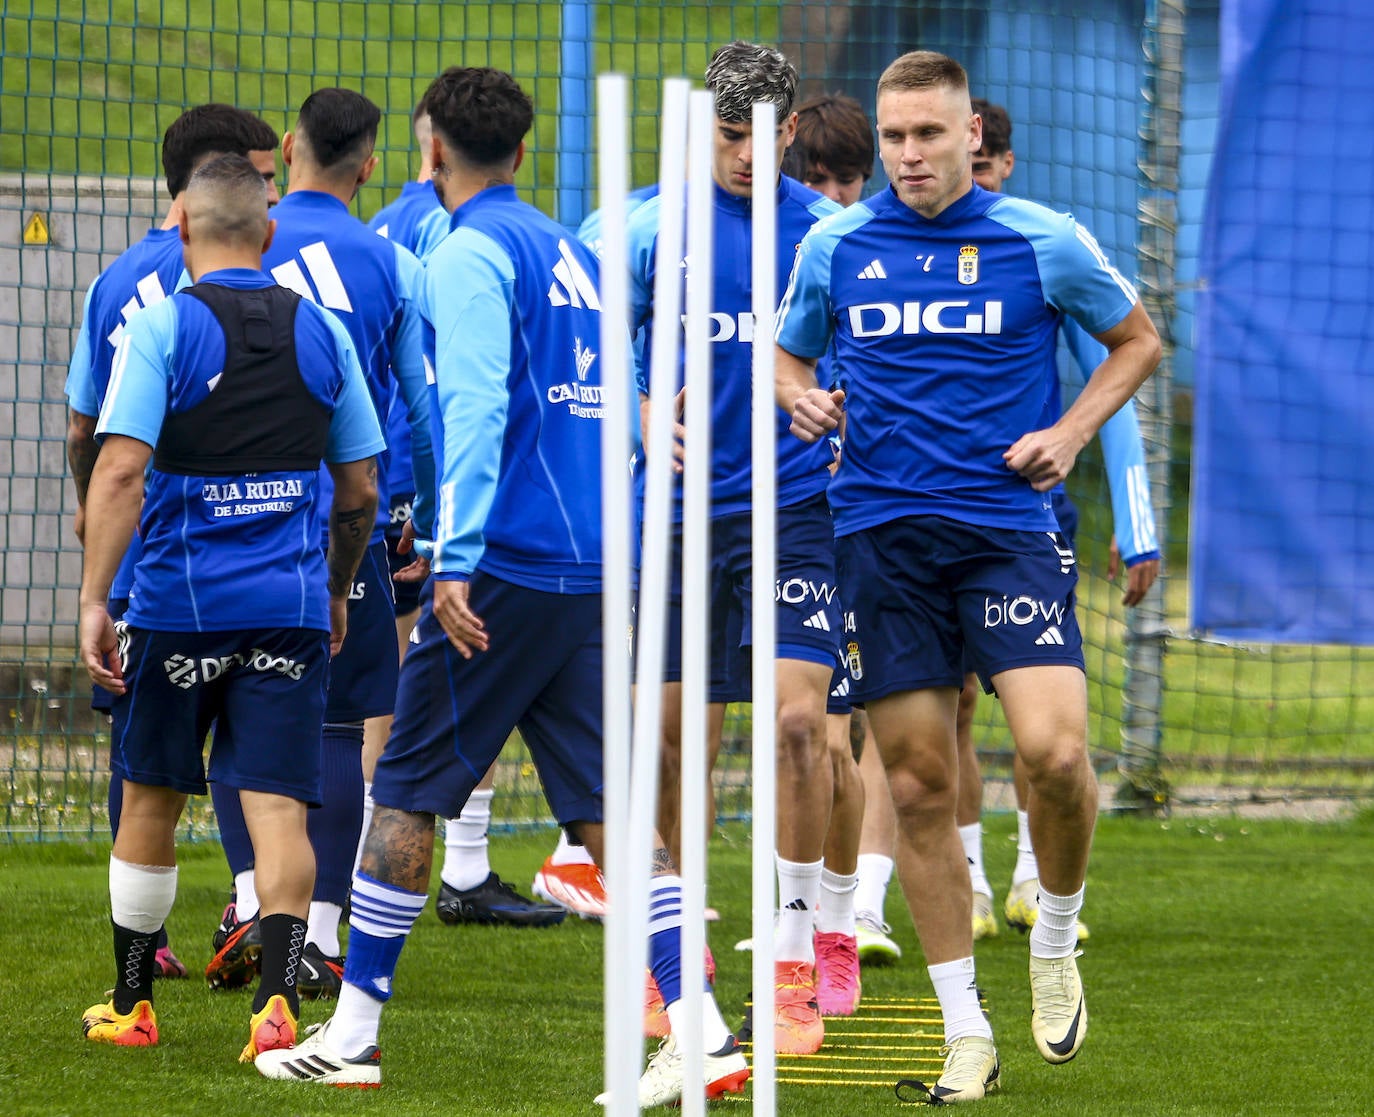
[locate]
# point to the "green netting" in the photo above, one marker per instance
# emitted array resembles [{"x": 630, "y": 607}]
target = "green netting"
[{"x": 86, "y": 91}]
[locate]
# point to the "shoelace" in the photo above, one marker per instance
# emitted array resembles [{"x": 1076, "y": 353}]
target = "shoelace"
[{"x": 1055, "y": 990}]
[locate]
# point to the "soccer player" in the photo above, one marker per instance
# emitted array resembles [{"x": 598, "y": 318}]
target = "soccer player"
[
  {"x": 833, "y": 155},
  {"x": 234, "y": 389},
  {"x": 144, "y": 275},
  {"x": 469, "y": 890},
  {"x": 1134, "y": 542},
  {"x": 833, "y": 151},
  {"x": 512, "y": 300},
  {"x": 809, "y": 622},
  {"x": 947, "y": 540},
  {"x": 326, "y": 255}
]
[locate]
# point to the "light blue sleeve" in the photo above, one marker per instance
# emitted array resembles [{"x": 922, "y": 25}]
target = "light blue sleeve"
[
  {"x": 140, "y": 375},
  {"x": 355, "y": 432},
  {"x": 806, "y": 317},
  {"x": 589, "y": 232},
  {"x": 430, "y": 232},
  {"x": 1123, "y": 453},
  {"x": 184, "y": 280},
  {"x": 408, "y": 366},
  {"x": 642, "y": 236},
  {"x": 469, "y": 288},
  {"x": 80, "y": 387},
  {"x": 1075, "y": 274}
]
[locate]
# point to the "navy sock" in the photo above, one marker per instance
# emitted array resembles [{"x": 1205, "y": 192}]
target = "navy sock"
[
  {"x": 336, "y": 825},
  {"x": 233, "y": 830}
]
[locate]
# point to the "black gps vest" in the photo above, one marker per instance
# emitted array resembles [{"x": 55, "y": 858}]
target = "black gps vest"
[{"x": 259, "y": 416}]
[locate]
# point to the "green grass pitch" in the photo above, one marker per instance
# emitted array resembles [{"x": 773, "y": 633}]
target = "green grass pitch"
[{"x": 1227, "y": 973}]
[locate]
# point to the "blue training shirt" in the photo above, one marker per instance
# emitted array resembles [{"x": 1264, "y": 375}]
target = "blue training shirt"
[
  {"x": 326, "y": 255},
  {"x": 516, "y": 317},
  {"x": 400, "y": 223},
  {"x": 237, "y": 552},
  {"x": 944, "y": 330},
  {"x": 143, "y": 275},
  {"x": 803, "y": 471}
]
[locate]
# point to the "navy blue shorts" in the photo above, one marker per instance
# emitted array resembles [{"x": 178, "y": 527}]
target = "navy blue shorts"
[
  {"x": 362, "y": 678},
  {"x": 541, "y": 674},
  {"x": 840, "y": 700},
  {"x": 808, "y": 605},
  {"x": 1066, "y": 512},
  {"x": 925, "y": 590},
  {"x": 407, "y": 594},
  {"x": 263, "y": 688}
]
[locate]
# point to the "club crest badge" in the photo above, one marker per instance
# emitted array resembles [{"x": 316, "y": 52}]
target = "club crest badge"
[{"x": 968, "y": 265}]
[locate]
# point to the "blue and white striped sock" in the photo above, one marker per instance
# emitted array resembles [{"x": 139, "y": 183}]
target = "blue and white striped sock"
[
  {"x": 665, "y": 936},
  {"x": 381, "y": 918}
]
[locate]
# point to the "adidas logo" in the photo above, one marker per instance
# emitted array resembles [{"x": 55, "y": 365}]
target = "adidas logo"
[
  {"x": 150, "y": 291},
  {"x": 841, "y": 691},
  {"x": 571, "y": 285},
  {"x": 875, "y": 270},
  {"x": 1051, "y": 635},
  {"x": 323, "y": 273},
  {"x": 797, "y": 905},
  {"x": 817, "y": 620},
  {"x": 1065, "y": 552}
]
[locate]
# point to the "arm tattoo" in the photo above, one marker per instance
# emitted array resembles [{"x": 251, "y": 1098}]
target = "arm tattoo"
[
  {"x": 82, "y": 450},
  {"x": 349, "y": 533}
]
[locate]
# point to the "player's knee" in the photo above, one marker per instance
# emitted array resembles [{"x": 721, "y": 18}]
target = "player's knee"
[
  {"x": 801, "y": 734},
  {"x": 921, "y": 794},
  {"x": 1058, "y": 766}
]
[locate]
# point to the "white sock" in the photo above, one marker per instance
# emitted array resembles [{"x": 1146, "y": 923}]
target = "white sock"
[
  {"x": 957, "y": 987},
  {"x": 141, "y": 896},
  {"x": 356, "y": 1022},
  {"x": 465, "y": 843},
  {"x": 875, "y": 871},
  {"x": 715, "y": 1033},
  {"x": 837, "y": 903},
  {"x": 322, "y": 927},
  {"x": 1055, "y": 934},
  {"x": 1026, "y": 866},
  {"x": 565, "y": 853},
  {"x": 245, "y": 896},
  {"x": 799, "y": 894},
  {"x": 368, "y": 805},
  {"x": 972, "y": 838}
]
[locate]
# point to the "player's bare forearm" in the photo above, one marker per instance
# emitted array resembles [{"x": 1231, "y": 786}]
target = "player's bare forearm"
[
  {"x": 1133, "y": 352},
  {"x": 793, "y": 377},
  {"x": 815, "y": 412},
  {"x": 351, "y": 519},
  {"x": 82, "y": 450},
  {"x": 115, "y": 495},
  {"x": 1046, "y": 457}
]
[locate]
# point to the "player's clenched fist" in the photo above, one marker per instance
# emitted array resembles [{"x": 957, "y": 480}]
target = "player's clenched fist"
[{"x": 816, "y": 413}]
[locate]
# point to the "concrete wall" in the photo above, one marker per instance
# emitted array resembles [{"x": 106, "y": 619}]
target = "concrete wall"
[{"x": 90, "y": 222}]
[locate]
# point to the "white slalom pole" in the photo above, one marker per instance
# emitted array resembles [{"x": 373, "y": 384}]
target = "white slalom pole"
[
  {"x": 696, "y": 558},
  {"x": 658, "y": 494},
  {"x": 623, "y": 998},
  {"x": 764, "y": 617}
]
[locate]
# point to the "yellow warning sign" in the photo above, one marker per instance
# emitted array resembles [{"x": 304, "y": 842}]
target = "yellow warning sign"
[{"x": 36, "y": 231}]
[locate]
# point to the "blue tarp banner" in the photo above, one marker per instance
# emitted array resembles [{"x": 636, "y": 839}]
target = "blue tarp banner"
[{"x": 1282, "y": 533}]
